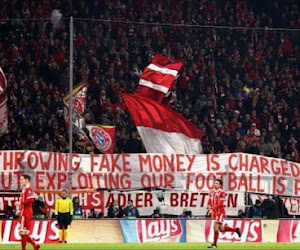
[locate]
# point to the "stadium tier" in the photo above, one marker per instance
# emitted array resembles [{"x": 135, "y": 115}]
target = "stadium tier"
[{"x": 149, "y": 121}]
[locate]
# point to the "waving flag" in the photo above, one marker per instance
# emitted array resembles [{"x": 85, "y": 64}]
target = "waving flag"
[
  {"x": 79, "y": 101},
  {"x": 103, "y": 137},
  {"x": 3, "y": 114},
  {"x": 3, "y": 82},
  {"x": 3, "y": 103},
  {"x": 158, "y": 78},
  {"x": 162, "y": 129}
]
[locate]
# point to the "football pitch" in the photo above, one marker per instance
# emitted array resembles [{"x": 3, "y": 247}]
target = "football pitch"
[{"x": 255, "y": 246}]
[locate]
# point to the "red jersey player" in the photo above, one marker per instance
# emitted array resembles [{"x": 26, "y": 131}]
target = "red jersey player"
[
  {"x": 217, "y": 212},
  {"x": 25, "y": 213}
]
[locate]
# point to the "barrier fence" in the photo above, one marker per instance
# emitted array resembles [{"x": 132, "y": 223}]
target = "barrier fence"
[{"x": 155, "y": 230}]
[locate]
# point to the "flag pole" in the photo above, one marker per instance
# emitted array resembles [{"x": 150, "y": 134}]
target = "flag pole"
[{"x": 71, "y": 108}]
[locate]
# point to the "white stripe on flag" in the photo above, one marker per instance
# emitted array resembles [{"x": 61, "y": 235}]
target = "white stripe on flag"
[
  {"x": 156, "y": 140},
  {"x": 163, "y": 70},
  {"x": 153, "y": 86}
]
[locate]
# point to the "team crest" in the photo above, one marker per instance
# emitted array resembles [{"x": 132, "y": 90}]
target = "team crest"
[{"x": 101, "y": 138}]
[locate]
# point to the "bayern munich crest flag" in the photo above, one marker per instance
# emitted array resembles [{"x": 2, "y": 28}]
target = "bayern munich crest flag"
[
  {"x": 103, "y": 137},
  {"x": 162, "y": 129},
  {"x": 159, "y": 77}
]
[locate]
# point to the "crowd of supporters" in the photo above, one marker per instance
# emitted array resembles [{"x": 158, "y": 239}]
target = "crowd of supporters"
[{"x": 240, "y": 86}]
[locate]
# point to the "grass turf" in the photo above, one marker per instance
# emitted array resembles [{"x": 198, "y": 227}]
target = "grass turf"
[{"x": 255, "y": 246}]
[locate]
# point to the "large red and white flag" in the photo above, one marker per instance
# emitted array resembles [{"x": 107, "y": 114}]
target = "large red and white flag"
[
  {"x": 158, "y": 78},
  {"x": 3, "y": 104},
  {"x": 162, "y": 129},
  {"x": 103, "y": 137}
]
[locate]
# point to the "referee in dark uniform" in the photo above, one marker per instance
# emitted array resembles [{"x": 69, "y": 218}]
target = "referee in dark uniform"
[{"x": 64, "y": 212}]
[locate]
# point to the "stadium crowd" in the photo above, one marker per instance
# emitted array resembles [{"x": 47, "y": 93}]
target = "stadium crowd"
[{"x": 240, "y": 86}]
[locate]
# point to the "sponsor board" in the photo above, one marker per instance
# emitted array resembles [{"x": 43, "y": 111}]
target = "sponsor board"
[
  {"x": 251, "y": 231},
  {"x": 153, "y": 230},
  {"x": 42, "y": 231}
]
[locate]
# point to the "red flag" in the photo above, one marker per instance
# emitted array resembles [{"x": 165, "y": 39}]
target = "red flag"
[
  {"x": 158, "y": 78},
  {"x": 3, "y": 114},
  {"x": 3, "y": 82},
  {"x": 162, "y": 129},
  {"x": 3, "y": 104},
  {"x": 103, "y": 137}
]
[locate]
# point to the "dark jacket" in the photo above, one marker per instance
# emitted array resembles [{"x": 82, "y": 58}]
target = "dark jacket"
[
  {"x": 256, "y": 212},
  {"x": 131, "y": 212},
  {"x": 115, "y": 213},
  {"x": 271, "y": 208}
]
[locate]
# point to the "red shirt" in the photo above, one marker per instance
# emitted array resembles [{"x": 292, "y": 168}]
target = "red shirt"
[
  {"x": 27, "y": 198},
  {"x": 216, "y": 200}
]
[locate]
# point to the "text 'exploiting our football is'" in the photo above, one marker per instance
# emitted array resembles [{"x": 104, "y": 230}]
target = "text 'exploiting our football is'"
[{"x": 239, "y": 172}]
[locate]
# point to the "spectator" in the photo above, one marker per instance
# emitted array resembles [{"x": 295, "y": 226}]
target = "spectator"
[
  {"x": 100, "y": 215},
  {"x": 92, "y": 214},
  {"x": 186, "y": 214},
  {"x": 9, "y": 214},
  {"x": 39, "y": 208},
  {"x": 264, "y": 149},
  {"x": 283, "y": 212},
  {"x": 271, "y": 208},
  {"x": 156, "y": 213},
  {"x": 241, "y": 214},
  {"x": 257, "y": 211},
  {"x": 77, "y": 209},
  {"x": 130, "y": 211},
  {"x": 114, "y": 210}
]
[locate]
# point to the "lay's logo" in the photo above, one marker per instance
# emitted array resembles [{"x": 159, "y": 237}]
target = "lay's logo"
[{"x": 157, "y": 230}]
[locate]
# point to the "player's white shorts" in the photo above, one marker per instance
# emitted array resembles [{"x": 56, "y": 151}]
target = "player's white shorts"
[{"x": 219, "y": 218}]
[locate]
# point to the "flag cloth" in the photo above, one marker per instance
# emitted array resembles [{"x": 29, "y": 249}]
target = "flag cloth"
[
  {"x": 79, "y": 101},
  {"x": 3, "y": 104},
  {"x": 3, "y": 82},
  {"x": 103, "y": 137},
  {"x": 158, "y": 78},
  {"x": 162, "y": 129},
  {"x": 3, "y": 114}
]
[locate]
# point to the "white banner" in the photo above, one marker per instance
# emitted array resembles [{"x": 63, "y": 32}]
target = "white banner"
[
  {"x": 197, "y": 173},
  {"x": 169, "y": 202}
]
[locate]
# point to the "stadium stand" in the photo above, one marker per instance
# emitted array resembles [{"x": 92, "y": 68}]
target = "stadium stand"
[{"x": 240, "y": 86}]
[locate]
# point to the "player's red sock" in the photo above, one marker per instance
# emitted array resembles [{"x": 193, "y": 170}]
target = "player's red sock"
[
  {"x": 229, "y": 229},
  {"x": 31, "y": 241},
  {"x": 23, "y": 241},
  {"x": 216, "y": 236}
]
